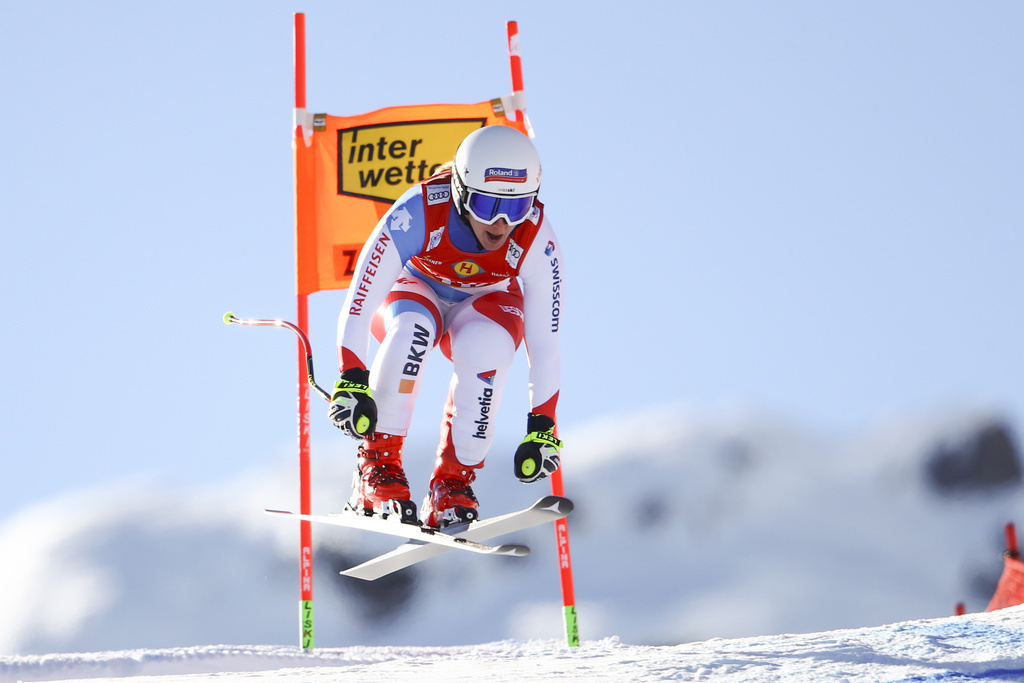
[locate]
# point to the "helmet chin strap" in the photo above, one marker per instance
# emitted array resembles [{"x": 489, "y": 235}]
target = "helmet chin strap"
[
  {"x": 459, "y": 193},
  {"x": 464, "y": 217}
]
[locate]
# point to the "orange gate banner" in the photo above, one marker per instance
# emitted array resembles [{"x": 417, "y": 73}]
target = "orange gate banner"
[{"x": 350, "y": 169}]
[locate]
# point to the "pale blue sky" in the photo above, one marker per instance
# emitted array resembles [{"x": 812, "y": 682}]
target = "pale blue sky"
[{"x": 811, "y": 209}]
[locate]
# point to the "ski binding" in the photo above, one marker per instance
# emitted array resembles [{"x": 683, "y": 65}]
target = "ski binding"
[{"x": 547, "y": 509}]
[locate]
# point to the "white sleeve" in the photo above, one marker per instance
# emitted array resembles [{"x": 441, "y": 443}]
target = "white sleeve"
[
  {"x": 543, "y": 277},
  {"x": 377, "y": 270}
]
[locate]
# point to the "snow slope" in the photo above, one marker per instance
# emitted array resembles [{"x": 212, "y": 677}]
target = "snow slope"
[
  {"x": 988, "y": 646},
  {"x": 711, "y": 525}
]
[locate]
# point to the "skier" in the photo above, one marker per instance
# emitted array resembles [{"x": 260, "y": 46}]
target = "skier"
[{"x": 443, "y": 268}]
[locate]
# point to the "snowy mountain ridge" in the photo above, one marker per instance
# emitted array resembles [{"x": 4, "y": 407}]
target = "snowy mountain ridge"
[{"x": 737, "y": 526}]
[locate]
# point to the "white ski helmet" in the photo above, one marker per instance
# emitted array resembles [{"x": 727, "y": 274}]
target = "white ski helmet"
[{"x": 496, "y": 175}]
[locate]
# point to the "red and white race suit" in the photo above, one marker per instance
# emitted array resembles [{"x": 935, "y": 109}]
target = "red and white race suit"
[{"x": 423, "y": 280}]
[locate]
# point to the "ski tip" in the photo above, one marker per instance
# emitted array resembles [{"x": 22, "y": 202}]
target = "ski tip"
[
  {"x": 278, "y": 512},
  {"x": 513, "y": 549},
  {"x": 558, "y": 505}
]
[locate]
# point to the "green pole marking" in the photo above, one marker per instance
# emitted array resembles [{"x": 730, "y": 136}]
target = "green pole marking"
[
  {"x": 572, "y": 632},
  {"x": 307, "y": 624}
]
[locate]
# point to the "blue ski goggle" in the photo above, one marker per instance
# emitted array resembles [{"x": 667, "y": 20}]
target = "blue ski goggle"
[{"x": 488, "y": 208}]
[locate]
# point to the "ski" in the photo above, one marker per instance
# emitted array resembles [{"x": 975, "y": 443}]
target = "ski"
[
  {"x": 547, "y": 509},
  {"x": 414, "y": 532}
]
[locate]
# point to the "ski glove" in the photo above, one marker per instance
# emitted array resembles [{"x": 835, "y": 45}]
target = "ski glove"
[
  {"x": 353, "y": 409},
  {"x": 537, "y": 455}
]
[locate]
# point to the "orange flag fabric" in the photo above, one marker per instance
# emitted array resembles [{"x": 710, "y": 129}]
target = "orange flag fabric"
[
  {"x": 352, "y": 168},
  {"x": 1010, "y": 590}
]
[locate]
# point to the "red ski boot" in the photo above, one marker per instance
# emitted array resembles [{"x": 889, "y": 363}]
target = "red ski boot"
[
  {"x": 379, "y": 484},
  {"x": 451, "y": 499}
]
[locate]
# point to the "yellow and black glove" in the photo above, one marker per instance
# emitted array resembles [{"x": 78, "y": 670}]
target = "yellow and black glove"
[
  {"x": 353, "y": 409},
  {"x": 537, "y": 455}
]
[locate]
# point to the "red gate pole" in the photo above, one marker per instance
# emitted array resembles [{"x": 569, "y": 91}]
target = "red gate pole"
[
  {"x": 515, "y": 62},
  {"x": 572, "y": 634},
  {"x": 305, "y": 527}
]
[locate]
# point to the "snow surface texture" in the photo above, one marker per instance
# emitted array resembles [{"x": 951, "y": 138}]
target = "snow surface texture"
[
  {"x": 725, "y": 525},
  {"x": 975, "y": 647}
]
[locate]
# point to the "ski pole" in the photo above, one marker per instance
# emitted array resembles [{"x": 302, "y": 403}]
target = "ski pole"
[
  {"x": 305, "y": 528},
  {"x": 230, "y": 318}
]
